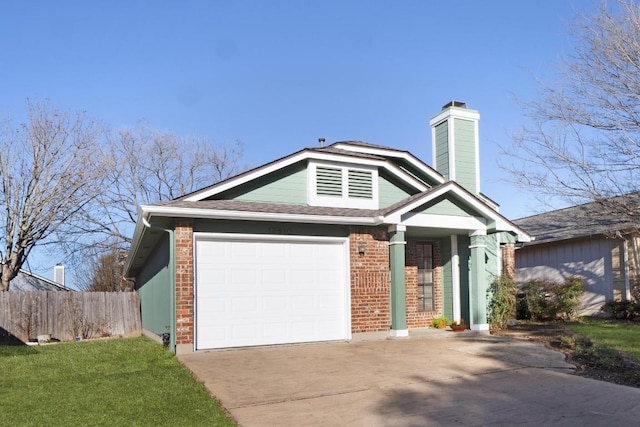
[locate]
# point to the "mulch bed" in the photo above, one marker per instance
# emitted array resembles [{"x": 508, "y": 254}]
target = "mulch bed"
[{"x": 617, "y": 367}]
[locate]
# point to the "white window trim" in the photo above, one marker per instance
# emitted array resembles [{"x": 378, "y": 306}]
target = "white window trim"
[{"x": 345, "y": 201}]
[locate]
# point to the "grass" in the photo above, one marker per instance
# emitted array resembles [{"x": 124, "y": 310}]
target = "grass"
[
  {"x": 132, "y": 382},
  {"x": 619, "y": 335}
]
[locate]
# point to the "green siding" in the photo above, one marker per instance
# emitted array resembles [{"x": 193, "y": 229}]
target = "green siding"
[
  {"x": 153, "y": 285},
  {"x": 389, "y": 193},
  {"x": 447, "y": 207},
  {"x": 442, "y": 149},
  {"x": 279, "y": 228},
  {"x": 465, "y": 154},
  {"x": 447, "y": 279},
  {"x": 464, "y": 255},
  {"x": 285, "y": 186},
  {"x": 492, "y": 251}
]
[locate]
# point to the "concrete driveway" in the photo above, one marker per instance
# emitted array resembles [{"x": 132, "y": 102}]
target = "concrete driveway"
[{"x": 441, "y": 379}]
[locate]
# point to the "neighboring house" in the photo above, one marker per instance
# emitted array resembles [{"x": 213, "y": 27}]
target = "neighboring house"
[
  {"x": 27, "y": 281},
  {"x": 590, "y": 241},
  {"x": 325, "y": 243}
]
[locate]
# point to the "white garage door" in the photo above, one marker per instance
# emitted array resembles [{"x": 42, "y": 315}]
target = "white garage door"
[{"x": 259, "y": 291}]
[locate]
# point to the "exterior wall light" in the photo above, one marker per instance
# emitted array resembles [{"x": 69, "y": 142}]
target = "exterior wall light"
[{"x": 361, "y": 248}]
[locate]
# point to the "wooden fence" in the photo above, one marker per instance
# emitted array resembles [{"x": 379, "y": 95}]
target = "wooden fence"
[{"x": 67, "y": 315}]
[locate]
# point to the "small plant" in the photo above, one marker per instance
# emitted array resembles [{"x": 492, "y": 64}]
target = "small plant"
[
  {"x": 439, "y": 322},
  {"x": 460, "y": 323}
]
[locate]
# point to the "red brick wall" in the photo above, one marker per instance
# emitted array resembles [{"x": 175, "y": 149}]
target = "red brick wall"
[
  {"x": 416, "y": 318},
  {"x": 370, "y": 285},
  {"x": 184, "y": 283},
  {"x": 509, "y": 261}
]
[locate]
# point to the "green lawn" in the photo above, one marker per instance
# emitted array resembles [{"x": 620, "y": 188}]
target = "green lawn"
[
  {"x": 621, "y": 335},
  {"x": 122, "y": 382}
]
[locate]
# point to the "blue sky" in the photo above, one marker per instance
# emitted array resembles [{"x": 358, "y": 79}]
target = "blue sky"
[{"x": 278, "y": 75}]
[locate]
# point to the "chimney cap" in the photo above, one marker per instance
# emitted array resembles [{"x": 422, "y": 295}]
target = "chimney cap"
[
  {"x": 321, "y": 142},
  {"x": 459, "y": 104}
]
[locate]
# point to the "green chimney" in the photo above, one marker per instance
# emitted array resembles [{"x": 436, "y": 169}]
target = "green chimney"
[{"x": 454, "y": 135}]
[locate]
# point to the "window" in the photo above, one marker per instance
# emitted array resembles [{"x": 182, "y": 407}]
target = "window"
[{"x": 426, "y": 296}]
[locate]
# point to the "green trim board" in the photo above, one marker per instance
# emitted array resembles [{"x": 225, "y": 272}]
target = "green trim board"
[
  {"x": 397, "y": 246},
  {"x": 464, "y": 254},
  {"x": 447, "y": 277}
]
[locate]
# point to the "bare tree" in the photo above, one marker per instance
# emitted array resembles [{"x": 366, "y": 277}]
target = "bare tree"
[
  {"x": 46, "y": 178},
  {"x": 584, "y": 141},
  {"x": 146, "y": 166},
  {"x": 102, "y": 271}
]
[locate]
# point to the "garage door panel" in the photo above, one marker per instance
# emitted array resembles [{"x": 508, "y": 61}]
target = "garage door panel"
[
  {"x": 264, "y": 292},
  {"x": 274, "y": 303}
]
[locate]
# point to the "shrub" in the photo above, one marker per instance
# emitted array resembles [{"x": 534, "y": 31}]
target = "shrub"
[
  {"x": 439, "y": 322},
  {"x": 625, "y": 310},
  {"x": 535, "y": 299},
  {"x": 503, "y": 302},
  {"x": 546, "y": 300},
  {"x": 567, "y": 297}
]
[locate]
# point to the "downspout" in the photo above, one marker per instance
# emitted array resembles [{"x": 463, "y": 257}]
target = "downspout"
[
  {"x": 172, "y": 281},
  {"x": 625, "y": 262}
]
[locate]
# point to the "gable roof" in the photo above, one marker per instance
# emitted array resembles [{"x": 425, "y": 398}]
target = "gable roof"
[
  {"x": 589, "y": 219},
  {"x": 28, "y": 281},
  {"x": 401, "y": 164}
]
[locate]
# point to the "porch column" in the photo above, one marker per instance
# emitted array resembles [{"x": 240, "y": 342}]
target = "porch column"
[
  {"x": 398, "y": 294},
  {"x": 478, "y": 282}
]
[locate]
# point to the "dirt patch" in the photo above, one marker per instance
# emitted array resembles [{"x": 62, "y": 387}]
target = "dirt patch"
[{"x": 591, "y": 362}]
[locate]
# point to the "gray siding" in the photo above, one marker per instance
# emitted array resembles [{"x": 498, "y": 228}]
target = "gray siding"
[
  {"x": 465, "y": 154},
  {"x": 153, "y": 285},
  {"x": 587, "y": 258}
]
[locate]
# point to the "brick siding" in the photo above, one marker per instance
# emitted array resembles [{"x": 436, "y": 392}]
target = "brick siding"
[
  {"x": 415, "y": 317},
  {"x": 184, "y": 283},
  {"x": 370, "y": 285},
  {"x": 509, "y": 260}
]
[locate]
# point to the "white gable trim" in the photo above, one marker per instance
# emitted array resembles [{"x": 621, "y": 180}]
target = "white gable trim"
[
  {"x": 302, "y": 156},
  {"x": 501, "y": 223},
  {"x": 395, "y": 154}
]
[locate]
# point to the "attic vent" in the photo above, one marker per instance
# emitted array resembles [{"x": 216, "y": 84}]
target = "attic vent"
[
  {"x": 328, "y": 181},
  {"x": 360, "y": 184}
]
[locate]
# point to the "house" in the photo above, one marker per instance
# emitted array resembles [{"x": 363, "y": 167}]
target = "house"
[
  {"x": 28, "y": 281},
  {"x": 593, "y": 241},
  {"x": 325, "y": 243}
]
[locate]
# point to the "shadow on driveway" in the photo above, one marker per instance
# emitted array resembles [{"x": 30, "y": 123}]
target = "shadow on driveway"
[{"x": 466, "y": 380}]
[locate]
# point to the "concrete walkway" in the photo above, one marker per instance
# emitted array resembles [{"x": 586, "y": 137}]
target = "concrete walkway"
[{"x": 441, "y": 379}]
